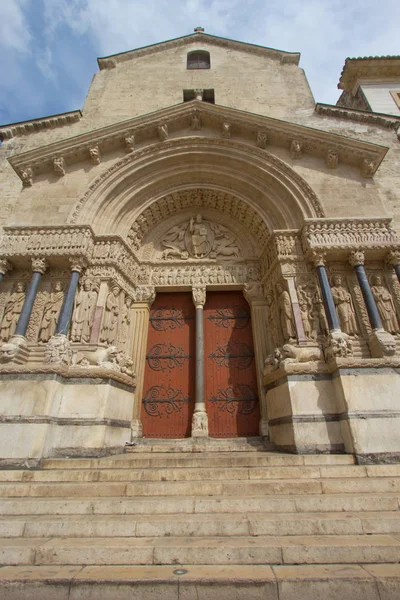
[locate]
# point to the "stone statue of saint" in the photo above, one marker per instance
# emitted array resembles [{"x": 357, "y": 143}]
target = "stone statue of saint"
[
  {"x": 319, "y": 324},
  {"x": 285, "y": 313},
  {"x": 85, "y": 304},
  {"x": 125, "y": 321},
  {"x": 385, "y": 305},
  {"x": 50, "y": 312},
  {"x": 344, "y": 306},
  {"x": 111, "y": 315},
  {"x": 304, "y": 313},
  {"x": 12, "y": 310},
  {"x": 199, "y": 233}
]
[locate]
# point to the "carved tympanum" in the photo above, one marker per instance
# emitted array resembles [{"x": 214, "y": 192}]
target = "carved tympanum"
[{"x": 199, "y": 239}]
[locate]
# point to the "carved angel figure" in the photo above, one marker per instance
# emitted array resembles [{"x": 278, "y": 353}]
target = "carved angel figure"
[
  {"x": 12, "y": 310},
  {"x": 285, "y": 313},
  {"x": 344, "y": 306},
  {"x": 110, "y": 323},
  {"x": 385, "y": 305},
  {"x": 85, "y": 304},
  {"x": 50, "y": 312}
]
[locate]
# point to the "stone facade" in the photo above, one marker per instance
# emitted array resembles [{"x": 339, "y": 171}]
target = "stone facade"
[{"x": 294, "y": 203}]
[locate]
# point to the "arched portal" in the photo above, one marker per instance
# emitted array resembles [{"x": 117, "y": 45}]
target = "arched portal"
[{"x": 197, "y": 214}]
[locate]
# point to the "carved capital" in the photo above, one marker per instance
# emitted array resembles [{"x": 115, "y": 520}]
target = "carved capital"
[
  {"x": 27, "y": 176},
  {"x": 393, "y": 258},
  {"x": 59, "y": 166},
  {"x": 145, "y": 293},
  {"x": 94, "y": 153},
  {"x": 317, "y": 257},
  {"x": 356, "y": 258},
  {"x": 253, "y": 291},
  {"x": 199, "y": 296},
  {"x": 78, "y": 263},
  {"x": 226, "y": 130},
  {"x": 163, "y": 132},
  {"x": 295, "y": 149},
  {"x": 39, "y": 265},
  {"x": 4, "y": 266}
]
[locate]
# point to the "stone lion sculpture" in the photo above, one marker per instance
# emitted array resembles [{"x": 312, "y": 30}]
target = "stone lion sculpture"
[
  {"x": 294, "y": 354},
  {"x": 101, "y": 357}
]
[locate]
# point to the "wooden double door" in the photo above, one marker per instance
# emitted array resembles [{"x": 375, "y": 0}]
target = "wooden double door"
[{"x": 230, "y": 376}]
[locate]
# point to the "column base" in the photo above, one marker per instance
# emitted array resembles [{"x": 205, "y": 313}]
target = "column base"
[
  {"x": 200, "y": 424},
  {"x": 58, "y": 350},
  {"x": 381, "y": 343},
  {"x": 264, "y": 428},
  {"x": 136, "y": 429}
]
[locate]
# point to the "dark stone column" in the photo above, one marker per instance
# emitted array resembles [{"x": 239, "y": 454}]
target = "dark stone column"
[
  {"x": 64, "y": 318},
  {"x": 200, "y": 419},
  {"x": 39, "y": 267},
  {"x": 357, "y": 261},
  {"x": 393, "y": 258},
  {"x": 327, "y": 298},
  {"x": 4, "y": 267}
]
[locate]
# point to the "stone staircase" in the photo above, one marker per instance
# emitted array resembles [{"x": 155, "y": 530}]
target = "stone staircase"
[{"x": 223, "y": 519}]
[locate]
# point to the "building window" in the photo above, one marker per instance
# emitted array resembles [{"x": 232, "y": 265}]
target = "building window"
[
  {"x": 199, "y": 59},
  {"x": 202, "y": 95}
]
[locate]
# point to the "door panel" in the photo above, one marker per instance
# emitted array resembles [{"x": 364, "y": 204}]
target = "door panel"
[
  {"x": 230, "y": 374},
  {"x": 168, "y": 390}
]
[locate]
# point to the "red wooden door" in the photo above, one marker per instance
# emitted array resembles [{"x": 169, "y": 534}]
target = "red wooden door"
[
  {"x": 230, "y": 374},
  {"x": 168, "y": 390}
]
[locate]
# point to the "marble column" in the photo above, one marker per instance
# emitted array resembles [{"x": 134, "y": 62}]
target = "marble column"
[
  {"x": 259, "y": 323},
  {"x": 393, "y": 258},
  {"x": 381, "y": 343},
  {"x": 39, "y": 266},
  {"x": 200, "y": 418},
  {"x": 64, "y": 318},
  {"x": 140, "y": 330},
  {"x": 318, "y": 259},
  {"x": 4, "y": 267}
]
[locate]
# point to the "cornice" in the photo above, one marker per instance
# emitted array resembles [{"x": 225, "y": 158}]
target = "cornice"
[
  {"x": 197, "y": 118},
  {"x": 110, "y": 62},
  {"x": 26, "y": 127},
  {"x": 358, "y": 116},
  {"x": 369, "y": 67}
]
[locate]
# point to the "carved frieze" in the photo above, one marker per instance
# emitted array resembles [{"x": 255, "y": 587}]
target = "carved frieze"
[
  {"x": 46, "y": 241},
  {"x": 349, "y": 234}
]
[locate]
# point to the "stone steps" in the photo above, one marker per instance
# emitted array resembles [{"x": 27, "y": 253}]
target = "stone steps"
[
  {"x": 191, "y": 460},
  {"x": 202, "y": 525},
  {"x": 184, "y": 473},
  {"x": 201, "y": 550},
  {"x": 199, "y": 582}
]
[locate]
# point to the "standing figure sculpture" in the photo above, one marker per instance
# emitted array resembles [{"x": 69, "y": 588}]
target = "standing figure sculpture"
[
  {"x": 344, "y": 306},
  {"x": 111, "y": 315},
  {"x": 385, "y": 305},
  {"x": 199, "y": 233},
  {"x": 12, "y": 310},
  {"x": 125, "y": 322},
  {"x": 85, "y": 304},
  {"x": 285, "y": 314},
  {"x": 50, "y": 312}
]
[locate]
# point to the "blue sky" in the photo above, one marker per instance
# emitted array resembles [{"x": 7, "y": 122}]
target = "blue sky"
[{"x": 49, "y": 47}]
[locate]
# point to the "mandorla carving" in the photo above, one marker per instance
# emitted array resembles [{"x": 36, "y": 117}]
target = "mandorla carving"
[
  {"x": 12, "y": 310},
  {"x": 385, "y": 304},
  {"x": 199, "y": 239},
  {"x": 85, "y": 305}
]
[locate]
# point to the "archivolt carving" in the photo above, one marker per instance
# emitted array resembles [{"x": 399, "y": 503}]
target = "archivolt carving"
[{"x": 304, "y": 196}]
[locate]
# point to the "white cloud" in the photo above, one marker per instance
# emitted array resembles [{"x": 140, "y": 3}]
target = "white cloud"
[{"x": 14, "y": 29}]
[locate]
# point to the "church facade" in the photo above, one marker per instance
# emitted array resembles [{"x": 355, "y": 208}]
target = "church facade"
[{"x": 202, "y": 252}]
